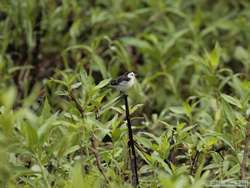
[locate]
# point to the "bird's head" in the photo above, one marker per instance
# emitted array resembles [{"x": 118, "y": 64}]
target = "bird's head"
[{"x": 131, "y": 75}]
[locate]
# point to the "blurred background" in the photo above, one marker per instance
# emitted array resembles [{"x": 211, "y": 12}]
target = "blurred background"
[{"x": 193, "y": 62}]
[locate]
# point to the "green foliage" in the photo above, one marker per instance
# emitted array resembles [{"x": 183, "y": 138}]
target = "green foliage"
[{"x": 188, "y": 107}]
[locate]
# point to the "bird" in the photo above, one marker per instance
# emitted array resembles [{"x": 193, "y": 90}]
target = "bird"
[{"x": 124, "y": 82}]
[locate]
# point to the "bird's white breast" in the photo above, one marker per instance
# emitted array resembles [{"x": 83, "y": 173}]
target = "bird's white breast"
[{"x": 125, "y": 85}]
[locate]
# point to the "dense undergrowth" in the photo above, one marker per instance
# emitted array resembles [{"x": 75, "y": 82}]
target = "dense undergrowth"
[{"x": 61, "y": 125}]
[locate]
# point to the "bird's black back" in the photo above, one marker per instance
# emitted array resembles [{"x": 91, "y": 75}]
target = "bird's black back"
[{"x": 121, "y": 78}]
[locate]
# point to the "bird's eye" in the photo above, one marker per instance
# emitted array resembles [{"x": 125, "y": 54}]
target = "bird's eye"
[{"x": 131, "y": 74}]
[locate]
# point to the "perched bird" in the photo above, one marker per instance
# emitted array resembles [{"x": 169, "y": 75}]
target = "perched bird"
[{"x": 123, "y": 82}]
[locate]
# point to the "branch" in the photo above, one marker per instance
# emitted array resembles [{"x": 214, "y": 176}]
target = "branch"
[
  {"x": 77, "y": 104},
  {"x": 194, "y": 162},
  {"x": 131, "y": 145},
  {"x": 93, "y": 139},
  {"x": 97, "y": 157}
]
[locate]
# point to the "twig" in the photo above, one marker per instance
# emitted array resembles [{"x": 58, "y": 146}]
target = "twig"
[
  {"x": 97, "y": 157},
  {"x": 194, "y": 162},
  {"x": 243, "y": 165},
  {"x": 140, "y": 148},
  {"x": 93, "y": 139},
  {"x": 135, "y": 180},
  {"x": 77, "y": 104}
]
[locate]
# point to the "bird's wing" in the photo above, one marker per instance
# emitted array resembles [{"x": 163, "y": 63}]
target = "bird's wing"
[
  {"x": 123, "y": 78},
  {"x": 113, "y": 82},
  {"x": 120, "y": 80}
]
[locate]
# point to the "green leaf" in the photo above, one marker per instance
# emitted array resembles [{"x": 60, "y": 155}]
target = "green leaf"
[
  {"x": 232, "y": 100},
  {"x": 157, "y": 158},
  {"x": 102, "y": 84},
  {"x": 100, "y": 65},
  {"x": 46, "y": 112},
  {"x": 8, "y": 97},
  {"x": 44, "y": 130},
  {"x": 75, "y": 85},
  {"x": 109, "y": 105},
  {"x": 7, "y": 121},
  {"x": 30, "y": 135},
  {"x": 213, "y": 58},
  {"x": 177, "y": 110},
  {"x": 136, "y": 107},
  {"x": 136, "y": 42},
  {"x": 234, "y": 170},
  {"x": 241, "y": 53}
]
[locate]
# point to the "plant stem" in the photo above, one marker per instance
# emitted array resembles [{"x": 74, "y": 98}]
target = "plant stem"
[
  {"x": 135, "y": 180},
  {"x": 243, "y": 165},
  {"x": 97, "y": 157},
  {"x": 194, "y": 162},
  {"x": 43, "y": 172},
  {"x": 93, "y": 142},
  {"x": 77, "y": 104}
]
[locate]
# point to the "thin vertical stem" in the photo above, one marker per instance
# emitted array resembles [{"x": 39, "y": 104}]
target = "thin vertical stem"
[
  {"x": 97, "y": 157},
  {"x": 93, "y": 140},
  {"x": 135, "y": 180},
  {"x": 45, "y": 179},
  {"x": 245, "y": 152},
  {"x": 77, "y": 104},
  {"x": 194, "y": 162}
]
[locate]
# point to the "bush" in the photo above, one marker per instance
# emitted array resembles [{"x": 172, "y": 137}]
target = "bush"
[{"x": 61, "y": 125}]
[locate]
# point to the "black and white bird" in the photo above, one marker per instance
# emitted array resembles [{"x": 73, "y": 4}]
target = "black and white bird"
[{"x": 124, "y": 82}]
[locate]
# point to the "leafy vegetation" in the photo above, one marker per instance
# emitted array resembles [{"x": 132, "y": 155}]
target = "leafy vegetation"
[{"x": 61, "y": 125}]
